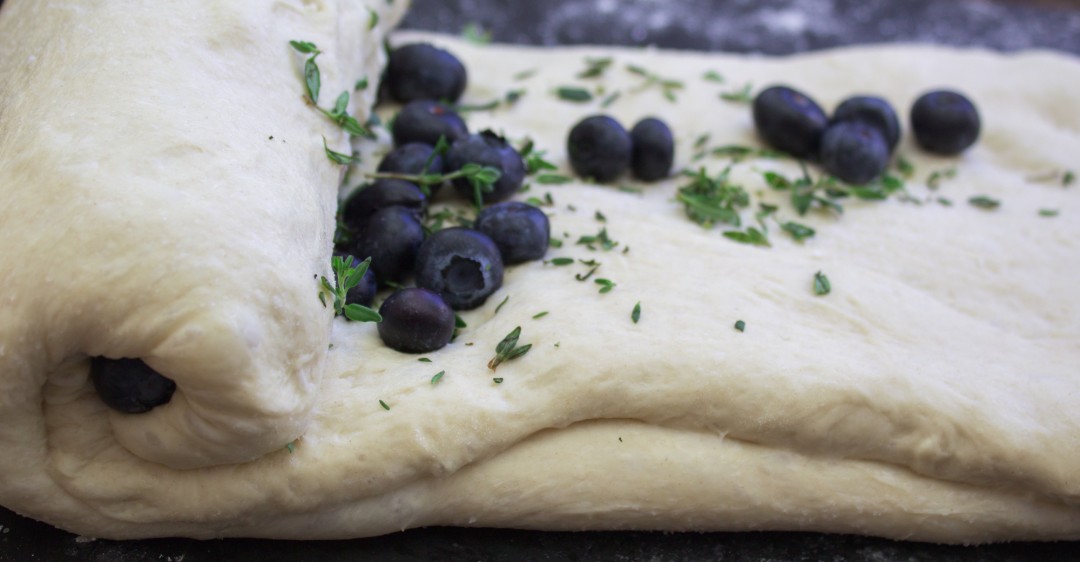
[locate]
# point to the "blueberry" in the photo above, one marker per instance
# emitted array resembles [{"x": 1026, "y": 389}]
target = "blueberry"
[
  {"x": 599, "y": 148},
  {"x": 945, "y": 122},
  {"x": 873, "y": 110},
  {"x": 414, "y": 159},
  {"x": 415, "y": 321},
  {"x": 425, "y": 121},
  {"x": 460, "y": 264},
  {"x": 521, "y": 231},
  {"x": 391, "y": 237},
  {"x": 129, "y": 385},
  {"x": 364, "y": 292},
  {"x": 790, "y": 121},
  {"x": 854, "y": 151},
  {"x": 383, "y": 193},
  {"x": 486, "y": 149},
  {"x": 653, "y": 149},
  {"x": 421, "y": 71}
]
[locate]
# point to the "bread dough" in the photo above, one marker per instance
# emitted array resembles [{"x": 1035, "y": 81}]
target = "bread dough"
[{"x": 147, "y": 213}]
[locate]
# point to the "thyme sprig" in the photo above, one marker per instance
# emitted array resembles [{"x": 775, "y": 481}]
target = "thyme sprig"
[
  {"x": 508, "y": 349},
  {"x": 482, "y": 179},
  {"x": 347, "y": 276},
  {"x": 667, "y": 86}
]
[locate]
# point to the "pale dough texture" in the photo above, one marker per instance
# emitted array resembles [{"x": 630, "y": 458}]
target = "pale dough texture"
[{"x": 145, "y": 212}]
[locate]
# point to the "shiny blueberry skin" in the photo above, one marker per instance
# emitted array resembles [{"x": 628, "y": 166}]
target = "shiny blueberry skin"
[
  {"x": 391, "y": 237},
  {"x": 364, "y": 292},
  {"x": 415, "y": 320},
  {"x": 486, "y": 149},
  {"x": 790, "y": 121},
  {"x": 421, "y": 71},
  {"x": 599, "y": 148},
  {"x": 873, "y": 110},
  {"x": 462, "y": 265},
  {"x": 653, "y": 149},
  {"x": 374, "y": 197},
  {"x": 521, "y": 231},
  {"x": 129, "y": 385},
  {"x": 414, "y": 159},
  {"x": 854, "y": 151},
  {"x": 945, "y": 122},
  {"x": 425, "y": 121}
]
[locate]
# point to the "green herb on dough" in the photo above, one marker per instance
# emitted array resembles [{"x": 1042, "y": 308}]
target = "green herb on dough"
[
  {"x": 740, "y": 325},
  {"x": 508, "y": 349},
  {"x": 347, "y": 277},
  {"x": 1048, "y": 212},
  {"x": 984, "y": 202},
  {"x": 499, "y": 307},
  {"x": 384, "y": 405},
  {"x": 438, "y": 377},
  {"x": 570, "y": 93},
  {"x": 635, "y": 314},
  {"x": 606, "y": 285},
  {"x": 821, "y": 284}
]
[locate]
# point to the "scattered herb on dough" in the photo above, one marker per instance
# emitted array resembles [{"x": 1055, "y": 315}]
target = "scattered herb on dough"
[
  {"x": 540, "y": 315},
  {"x": 560, "y": 261},
  {"x": 712, "y": 200},
  {"x": 751, "y": 236},
  {"x": 570, "y": 93},
  {"x": 424, "y": 360},
  {"x": 933, "y": 181},
  {"x": 384, "y": 405},
  {"x": 635, "y": 314},
  {"x": 438, "y": 377},
  {"x": 606, "y": 285},
  {"x": 499, "y": 307},
  {"x": 508, "y": 349},
  {"x": 361, "y": 84},
  {"x": 740, "y": 325},
  {"x": 339, "y": 158},
  {"x": 610, "y": 99},
  {"x": 595, "y": 67},
  {"x": 1068, "y": 178},
  {"x": 1048, "y": 212},
  {"x": 713, "y": 76},
  {"x": 524, "y": 74},
  {"x": 373, "y": 19},
  {"x": 984, "y": 202},
  {"x": 743, "y": 95},
  {"x": 600, "y": 216},
  {"x": 602, "y": 238},
  {"x": 552, "y": 179},
  {"x": 797, "y": 231},
  {"x": 497, "y": 380},
  {"x": 821, "y": 284},
  {"x": 290, "y": 447},
  {"x": 905, "y": 167},
  {"x": 667, "y": 86}
]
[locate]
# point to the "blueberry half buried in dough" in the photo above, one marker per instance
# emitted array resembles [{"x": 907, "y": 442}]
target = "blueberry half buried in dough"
[{"x": 130, "y": 385}]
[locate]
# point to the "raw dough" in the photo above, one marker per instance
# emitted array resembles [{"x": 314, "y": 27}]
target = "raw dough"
[{"x": 145, "y": 212}]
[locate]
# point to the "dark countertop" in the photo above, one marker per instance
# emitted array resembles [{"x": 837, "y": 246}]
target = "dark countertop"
[{"x": 769, "y": 26}]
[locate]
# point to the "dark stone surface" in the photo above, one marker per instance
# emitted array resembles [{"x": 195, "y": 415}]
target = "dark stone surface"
[{"x": 770, "y": 26}]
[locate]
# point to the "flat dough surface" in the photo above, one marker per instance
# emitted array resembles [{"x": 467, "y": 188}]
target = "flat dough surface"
[{"x": 930, "y": 396}]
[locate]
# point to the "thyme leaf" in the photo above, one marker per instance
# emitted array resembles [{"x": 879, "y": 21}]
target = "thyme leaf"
[
  {"x": 347, "y": 276},
  {"x": 821, "y": 284},
  {"x": 508, "y": 349}
]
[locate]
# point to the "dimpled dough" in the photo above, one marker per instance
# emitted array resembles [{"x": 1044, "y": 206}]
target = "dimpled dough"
[{"x": 145, "y": 212}]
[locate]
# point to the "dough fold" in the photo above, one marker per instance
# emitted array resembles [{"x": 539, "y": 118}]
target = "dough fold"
[{"x": 164, "y": 194}]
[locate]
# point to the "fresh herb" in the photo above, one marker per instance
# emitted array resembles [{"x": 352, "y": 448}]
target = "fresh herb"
[
  {"x": 312, "y": 80},
  {"x": 290, "y": 447},
  {"x": 713, "y": 76},
  {"x": 821, "y": 284},
  {"x": 906, "y": 168},
  {"x": 602, "y": 238},
  {"x": 740, "y": 325},
  {"x": 984, "y": 202},
  {"x": 797, "y": 231},
  {"x": 600, "y": 216},
  {"x": 945, "y": 201},
  {"x": 347, "y": 277},
  {"x": 482, "y": 179},
  {"x": 595, "y": 67},
  {"x": 1068, "y": 178},
  {"x": 712, "y": 200},
  {"x": 438, "y": 377},
  {"x": 339, "y": 158},
  {"x": 499, "y": 307},
  {"x": 552, "y": 179},
  {"x": 933, "y": 181},
  {"x": 340, "y": 115},
  {"x": 667, "y": 86},
  {"x": 373, "y": 19},
  {"x": 384, "y": 405},
  {"x": 424, "y": 360},
  {"x": 508, "y": 349},
  {"x": 610, "y": 99},
  {"x": 701, "y": 140},
  {"x": 593, "y": 264},
  {"x": 361, "y": 84},
  {"x": 635, "y": 314},
  {"x": 560, "y": 261},
  {"x": 465, "y": 107},
  {"x": 606, "y": 285},
  {"x": 555, "y": 242},
  {"x": 751, "y": 236},
  {"x": 305, "y": 47},
  {"x": 742, "y": 95},
  {"x": 1048, "y": 212},
  {"x": 497, "y": 380},
  {"x": 474, "y": 33},
  {"x": 539, "y": 315},
  {"x": 570, "y": 93}
]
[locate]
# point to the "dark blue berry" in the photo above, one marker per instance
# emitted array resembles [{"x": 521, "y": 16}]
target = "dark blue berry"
[
  {"x": 790, "y": 121},
  {"x": 653, "y": 149},
  {"x": 414, "y": 159},
  {"x": 460, "y": 264},
  {"x": 945, "y": 122},
  {"x": 420, "y": 71},
  {"x": 415, "y": 321},
  {"x": 391, "y": 238},
  {"x": 129, "y": 385},
  {"x": 854, "y": 151},
  {"x": 364, "y": 292},
  {"x": 521, "y": 231},
  {"x": 372, "y": 198},
  {"x": 873, "y": 110},
  {"x": 425, "y": 121},
  {"x": 486, "y": 149},
  {"x": 599, "y": 148}
]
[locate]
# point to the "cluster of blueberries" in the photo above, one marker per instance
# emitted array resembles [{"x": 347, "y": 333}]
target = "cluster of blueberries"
[
  {"x": 455, "y": 268},
  {"x": 855, "y": 145}
]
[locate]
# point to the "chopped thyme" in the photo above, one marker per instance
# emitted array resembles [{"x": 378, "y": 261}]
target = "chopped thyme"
[
  {"x": 305, "y": 47},
  {"x": 635, "y": 314},
  {"x": 797, "y": 231},
  {"x": 361, "y": 84},
  {"x": 713, "y": 76},
  {"x": 821, "y": 284},
  {"x": 438, "y": 377},
  {"x": 497, "y": 380},
  {"x": 593, "y": 265},
  {"x": 539, "y": 315},
  {"x": 595, "y": 67},
  {"x": 1048, "y": 212},
  {"x": 905, "y": 167},
  {"x": 738, "y": 152},
  {"x": 347, "y": 276},
  {"x": 984, "y": 202},
  {"x": 465, "y": 107},
  {"x": 340, "y": 115},
  {"x": 667, "y": 86},
  {"x": 600, "y": 238},
  {"x": 424, "y": 360},
  {"x": 1068, "y": 178},
  {"x": 701, "y": 140},
  {"x": 373, "y": 19},
  {"x": 606, "y": 285},
  {"x": 560, "y": 261},
  {"x": 552, "y": 179},
  {"x": 290, "y": 447},
  {"x": 499, "y": 307},
  {"x": 384, "y": 405},
  {"x": 474, "y": 33},
  {"x": 600, "y": 216},
  {"x": 610, "y": 99},
  {"x": 555, "y": 242},
  {"x": 740, "y": 96},
  {"x": 508, "y": 349},
  {"x": 570, "y": 93},
  {"x": 751, "y": 236},
  {"x": 740, "y": 325},
  {"x": 482, "y": 179},
  {"x": 933, "y": 181},
  {"x": 945, "y": 201},
  {"x": 711, "y": 200}
]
